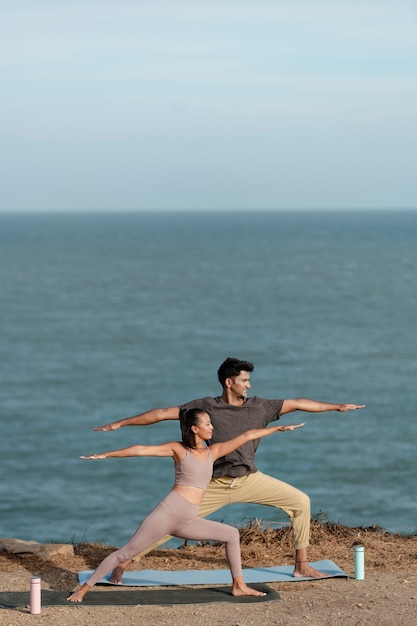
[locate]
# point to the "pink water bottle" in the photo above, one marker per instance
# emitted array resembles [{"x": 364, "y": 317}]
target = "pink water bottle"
[{"x": 35, "y": 595}]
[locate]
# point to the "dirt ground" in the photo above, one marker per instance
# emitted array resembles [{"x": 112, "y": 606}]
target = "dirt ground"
[{"x": 387, "y": 596}]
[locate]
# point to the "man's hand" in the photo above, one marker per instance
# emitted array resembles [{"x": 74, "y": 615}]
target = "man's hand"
[
  {"x": 350, "y": 407},
  {"x": 107, "y": 427}
]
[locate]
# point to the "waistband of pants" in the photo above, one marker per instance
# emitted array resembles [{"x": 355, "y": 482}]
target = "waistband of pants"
[{"x": 230, "y": 481}]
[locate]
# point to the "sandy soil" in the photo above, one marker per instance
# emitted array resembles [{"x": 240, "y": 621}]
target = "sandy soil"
[{"x": 387, "y": 596}]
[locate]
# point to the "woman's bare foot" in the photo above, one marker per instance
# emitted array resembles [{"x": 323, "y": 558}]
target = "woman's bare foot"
[
  {"x": 116, "y": 575},
  {"x": 303, "y": 569},
  {"x": 78, "y": 595},
  {"x": 240, "y": 588}
]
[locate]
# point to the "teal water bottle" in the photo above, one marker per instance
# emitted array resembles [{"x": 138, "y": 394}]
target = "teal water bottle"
[{"x": 359, "y": 554}]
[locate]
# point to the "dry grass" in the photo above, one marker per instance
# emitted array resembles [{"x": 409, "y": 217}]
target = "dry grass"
[{"x": 262, "y": 545}]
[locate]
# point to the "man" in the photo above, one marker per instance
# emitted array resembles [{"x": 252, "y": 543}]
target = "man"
[{"x": 235, "y": 476}]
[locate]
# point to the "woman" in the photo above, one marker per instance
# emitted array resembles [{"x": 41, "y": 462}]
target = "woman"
[{"x": 177, "y": 513}]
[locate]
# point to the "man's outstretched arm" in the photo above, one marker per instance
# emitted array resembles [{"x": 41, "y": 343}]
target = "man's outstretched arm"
[
  {"x": 311, "y": 406},
  {"x": 143, "y": 419}
]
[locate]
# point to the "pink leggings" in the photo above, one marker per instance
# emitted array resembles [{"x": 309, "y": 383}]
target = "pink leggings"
[{"x": 173, "y": 516}]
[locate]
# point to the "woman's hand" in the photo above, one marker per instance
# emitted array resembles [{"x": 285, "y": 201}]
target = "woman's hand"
[{"x": 289, "y": 427}]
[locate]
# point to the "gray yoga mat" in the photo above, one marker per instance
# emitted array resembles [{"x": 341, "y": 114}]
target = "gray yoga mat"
[{"x": 123, "y": 597}]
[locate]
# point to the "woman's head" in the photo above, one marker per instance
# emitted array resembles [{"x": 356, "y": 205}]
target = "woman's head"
[{"x": 195, "y": 422}]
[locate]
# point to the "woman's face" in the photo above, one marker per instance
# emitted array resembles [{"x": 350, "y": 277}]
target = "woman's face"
[{"x": 204, "y": 428}]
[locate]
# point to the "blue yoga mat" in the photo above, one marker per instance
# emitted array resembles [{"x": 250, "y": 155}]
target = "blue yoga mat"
[{"x": 150, "y": 578}]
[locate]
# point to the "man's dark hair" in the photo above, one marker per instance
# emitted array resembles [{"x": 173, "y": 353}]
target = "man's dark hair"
[{"x": 231, "y": 368}]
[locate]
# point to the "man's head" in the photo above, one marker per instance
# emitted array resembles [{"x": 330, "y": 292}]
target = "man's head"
[{"x": 230, "y": 368}]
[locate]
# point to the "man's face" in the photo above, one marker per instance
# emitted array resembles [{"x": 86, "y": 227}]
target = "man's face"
[{"x": 239, "y": 385}]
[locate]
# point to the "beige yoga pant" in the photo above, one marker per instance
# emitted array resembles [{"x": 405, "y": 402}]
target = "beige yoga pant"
[
  {"x": 257, "y": 488},
  {"x": 173, "y": 515}
]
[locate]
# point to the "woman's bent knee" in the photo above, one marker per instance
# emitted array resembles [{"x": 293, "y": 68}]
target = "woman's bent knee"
[{"x": 234, "y": 534}]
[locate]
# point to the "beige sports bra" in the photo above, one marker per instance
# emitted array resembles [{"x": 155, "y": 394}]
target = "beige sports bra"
[{"x": 193, "y": 472}]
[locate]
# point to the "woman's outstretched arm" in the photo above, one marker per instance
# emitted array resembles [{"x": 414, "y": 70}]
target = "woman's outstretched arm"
[
  {"x": 225, "y": 447},
  {"x": 169, "y": 449}
]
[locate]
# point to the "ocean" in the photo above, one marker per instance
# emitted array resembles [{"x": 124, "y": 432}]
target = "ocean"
[{"x": 104, "y": 316}]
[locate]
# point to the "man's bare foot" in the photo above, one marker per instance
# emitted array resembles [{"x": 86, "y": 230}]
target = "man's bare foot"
[
  {"x": 241, "y": 589},
  {"x": 78, "y": 595},
  {"x": 303, "y": 569},
  {"x": 116, "y": 575}
]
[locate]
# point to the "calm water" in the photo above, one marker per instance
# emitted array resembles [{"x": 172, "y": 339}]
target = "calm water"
[{"x": 105, "y": 316}]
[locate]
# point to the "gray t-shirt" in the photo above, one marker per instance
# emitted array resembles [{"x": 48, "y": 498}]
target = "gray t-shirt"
[{"x": 230, "y": 421}]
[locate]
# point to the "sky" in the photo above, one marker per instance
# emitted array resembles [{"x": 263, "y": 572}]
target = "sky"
[{"x": 111, "y": 105}]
